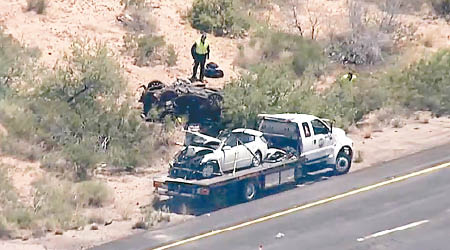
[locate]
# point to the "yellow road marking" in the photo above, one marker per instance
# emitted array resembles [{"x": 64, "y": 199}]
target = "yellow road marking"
[{"x": 309, "y": 205}]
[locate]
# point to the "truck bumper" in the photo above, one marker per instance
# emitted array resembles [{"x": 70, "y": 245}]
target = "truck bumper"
[{"x": 163, "y": 191}]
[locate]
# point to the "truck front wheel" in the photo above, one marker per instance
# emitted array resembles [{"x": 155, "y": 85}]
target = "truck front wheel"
[
  {"x": 343, "y": 161},
  {"x": 249, "y": 190}
]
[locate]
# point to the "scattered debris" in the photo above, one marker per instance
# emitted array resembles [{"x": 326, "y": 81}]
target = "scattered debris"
[
  {"x": 108, "y": 222},
  {"x": 58, "y": 232},
  {"x": 94, "y": 226},
  {"x": 279, "y": 235}
]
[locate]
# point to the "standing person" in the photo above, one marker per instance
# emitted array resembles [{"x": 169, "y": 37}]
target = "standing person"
[{"x": 200, "y": 52}]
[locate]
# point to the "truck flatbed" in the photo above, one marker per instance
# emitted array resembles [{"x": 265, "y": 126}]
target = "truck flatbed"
[{"x": 267, "y": 175}]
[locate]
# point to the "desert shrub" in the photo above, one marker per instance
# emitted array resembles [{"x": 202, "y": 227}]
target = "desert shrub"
[
  {"x": 141, "y": 42},
  {"x": 425, "y": 85},
  {"x": 222, "y": 17},
  {"x": 14, "y": 59},
  {"x": 4, "y": 231},
  {"x": 138, "y": 20},
  {"x": 12, "y": 213},
  {"x": 38, "y": 6},
  {"x": 81, "y": 113},
  {"x": 268, "y": 89},
  {"x": 442, "y": 7},
  {"x": 172, "y": 56},
  {"x": 365, "y": 44},
  {"x": 144, "y": 48},
  {"x": 277, "y": 47},
  {"x": 365, "y": 48},
  {"x": 54, "y": 204},
  {"x": 92, "y": 194}
]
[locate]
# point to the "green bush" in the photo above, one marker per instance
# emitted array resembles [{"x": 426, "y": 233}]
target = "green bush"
[
  {"x": 267, "y": 89},
  {"x": 221, "y": 17},
  {"x": 37, "y": 5},
  {"x": 273, "y": 89},
  {"x": 425, "y": 85}
]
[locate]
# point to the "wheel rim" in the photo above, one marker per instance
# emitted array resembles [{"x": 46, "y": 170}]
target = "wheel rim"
[
  {"x": 342, "y": 164},
  {"x": 256, "y": 160},
  {"x": 207, "y": 171},
  {"x": 250, "y": 191}
]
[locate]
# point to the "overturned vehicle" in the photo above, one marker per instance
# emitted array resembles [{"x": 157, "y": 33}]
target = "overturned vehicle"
[
  {"x": 201, "y": 105},
  {"x": 205, "y": 156}
]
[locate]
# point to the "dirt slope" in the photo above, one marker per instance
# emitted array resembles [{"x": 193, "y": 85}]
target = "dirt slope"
[{"x": 65, "y": 21}]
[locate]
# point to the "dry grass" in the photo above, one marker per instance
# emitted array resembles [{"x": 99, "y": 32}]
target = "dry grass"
[{"x": 397, "y": 123}]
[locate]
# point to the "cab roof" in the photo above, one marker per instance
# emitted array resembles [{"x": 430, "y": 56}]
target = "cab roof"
[{"x": 298, "y": 118}]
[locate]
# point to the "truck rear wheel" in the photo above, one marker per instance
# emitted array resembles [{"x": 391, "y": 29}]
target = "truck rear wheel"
[
  {"x": 249, "y": 190},
  {"x": 343, "y": 162}
]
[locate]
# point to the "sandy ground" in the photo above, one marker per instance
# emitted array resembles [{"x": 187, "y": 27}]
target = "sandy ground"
[
  {"x": 379, "y": 145},
  {"x": 65, "y": 21}
]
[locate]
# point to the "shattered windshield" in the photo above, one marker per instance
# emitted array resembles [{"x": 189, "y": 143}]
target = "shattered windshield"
[{"x": 199, "y": 140}]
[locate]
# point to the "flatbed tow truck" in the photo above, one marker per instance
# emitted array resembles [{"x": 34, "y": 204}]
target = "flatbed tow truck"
[{"x": 318, "y": 143}]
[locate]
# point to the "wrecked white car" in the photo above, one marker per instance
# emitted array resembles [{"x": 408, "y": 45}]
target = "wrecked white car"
[{"x": 205, "y": 157}]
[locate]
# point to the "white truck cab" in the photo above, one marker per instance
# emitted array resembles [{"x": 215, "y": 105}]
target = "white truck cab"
[{"x": 310, "y": 137}]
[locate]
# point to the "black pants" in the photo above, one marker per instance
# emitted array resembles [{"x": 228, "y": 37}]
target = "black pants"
[{"x": 199, "y": 60}]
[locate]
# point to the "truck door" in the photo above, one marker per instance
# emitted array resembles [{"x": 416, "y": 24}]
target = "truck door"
[
  {"x": 310, "y": 146},
  {"x": 323, "y": 139}
]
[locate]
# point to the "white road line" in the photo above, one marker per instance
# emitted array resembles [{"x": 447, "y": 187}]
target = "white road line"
[{"x": 385, "y": 232}]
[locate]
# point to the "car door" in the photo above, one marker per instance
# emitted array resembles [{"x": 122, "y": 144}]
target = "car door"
[
  {"x": 246, "y": 145},
  {"x": 230, "y": 151},
  {"x": 323, "y": 139}
]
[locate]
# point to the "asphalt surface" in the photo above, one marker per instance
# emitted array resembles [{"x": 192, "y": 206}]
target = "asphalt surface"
[{"x": 367, "y": 216}]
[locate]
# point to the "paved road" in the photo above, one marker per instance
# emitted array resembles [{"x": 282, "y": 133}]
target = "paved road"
[{"x": 412, "y": 214}]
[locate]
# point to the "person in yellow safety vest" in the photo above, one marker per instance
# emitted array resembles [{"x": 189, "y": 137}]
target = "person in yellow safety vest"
[
  {"x": 349, "y": 77},
  {"x": 200, "y": 52}
]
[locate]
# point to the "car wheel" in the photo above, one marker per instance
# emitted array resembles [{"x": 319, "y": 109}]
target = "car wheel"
[
  {"x": 257, "y": 159},
  {"x": 249, "y": 190},
  {"x": 343, "y": 162},
  {"x": 209, "y": 170}
]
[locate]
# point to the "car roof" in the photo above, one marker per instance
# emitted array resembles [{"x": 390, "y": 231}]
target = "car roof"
[
  {"x": 248, "y": 131},
  {"x": 298, "y": 118}
]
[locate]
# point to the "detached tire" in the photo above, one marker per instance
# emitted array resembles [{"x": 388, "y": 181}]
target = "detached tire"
[
  {"x": 249, "y": 190},
  {"x": 343, "y": 162}
]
